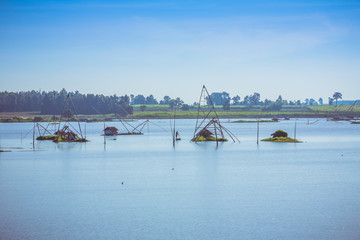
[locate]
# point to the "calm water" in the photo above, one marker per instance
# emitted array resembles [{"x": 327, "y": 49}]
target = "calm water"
[{"x": 309, "y": 190}]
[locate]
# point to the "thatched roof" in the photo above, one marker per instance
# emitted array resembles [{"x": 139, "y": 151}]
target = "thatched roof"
[
  {"x": 112, "y": 129},
  {"x": 204, "y": 133}
]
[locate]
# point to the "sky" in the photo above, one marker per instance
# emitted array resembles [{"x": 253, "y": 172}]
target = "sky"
[{"x": 296, "y": 49}]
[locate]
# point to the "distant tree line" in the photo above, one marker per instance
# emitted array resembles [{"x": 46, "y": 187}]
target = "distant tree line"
[
  {"x": 53, "y": 102},
  {"x": 224, "y": 99},
  {"x": 150, "y": 100}
]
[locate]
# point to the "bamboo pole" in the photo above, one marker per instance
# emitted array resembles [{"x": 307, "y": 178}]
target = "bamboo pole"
[
  {"x": 34, "y": 137},
  {"x": 217, "y": 143},
  {"x": 104, "y": 135},
  {"x": 257, "y": 139},
  {"x": 174, "y": 131}
]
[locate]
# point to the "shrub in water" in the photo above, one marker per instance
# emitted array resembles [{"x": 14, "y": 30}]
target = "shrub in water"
[{"x": 279, "y": 133}]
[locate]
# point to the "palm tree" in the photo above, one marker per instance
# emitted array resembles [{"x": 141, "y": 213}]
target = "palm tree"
[{"x": 337, "y": 96}]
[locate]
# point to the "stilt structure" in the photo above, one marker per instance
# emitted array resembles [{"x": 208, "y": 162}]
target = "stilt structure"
[
  {"x": 174, "y": 133},
  {"x": 66, "y": 131},
  {"x": 257, "y": 132},
  {"x": 130, "y": 129},
  {"x": 44, "y": 133},
  {"x": 134, "y": 130},
  {"x": 208, "y": 123},
  {"x": 39, "y": 133}
]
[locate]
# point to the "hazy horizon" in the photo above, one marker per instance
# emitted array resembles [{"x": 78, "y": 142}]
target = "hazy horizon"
[{"x": 294, "y": 49}]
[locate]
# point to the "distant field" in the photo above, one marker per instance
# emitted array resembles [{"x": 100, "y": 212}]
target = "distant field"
[
  {"x": 154, "y": 107},
  {"x": 163, "y": 111},
  {"x": 239, "y": 114},
  {"x": 333, "y": 108}
]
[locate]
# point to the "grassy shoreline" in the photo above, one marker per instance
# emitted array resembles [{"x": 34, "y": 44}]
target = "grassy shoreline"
[
  {"x": 281, "y": 140},
  {"x": 151, "y": 113}
]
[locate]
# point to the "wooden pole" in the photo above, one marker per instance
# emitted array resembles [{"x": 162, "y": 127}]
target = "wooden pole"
[
  {"x": 257, "y": 139},
  {"x": 217, "y": 143},
  {"x": 34, "y": 137},
  {"x": 174, "y": 131},
  {"x": 104, "y": 134}
]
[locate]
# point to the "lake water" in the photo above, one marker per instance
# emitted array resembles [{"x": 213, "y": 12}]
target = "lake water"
[{"x": 308, "y": 190}]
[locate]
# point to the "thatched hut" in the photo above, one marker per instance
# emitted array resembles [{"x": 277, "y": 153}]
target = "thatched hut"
[
  {"x": 109, "y": 131},
  {"x": 204, "y": 133}
]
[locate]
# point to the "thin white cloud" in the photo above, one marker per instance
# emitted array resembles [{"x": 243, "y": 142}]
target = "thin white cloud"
[{"x": 230, "y": 39}]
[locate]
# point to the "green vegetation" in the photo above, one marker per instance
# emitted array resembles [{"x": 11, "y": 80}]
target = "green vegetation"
[
  {"x": 163, "y": 111},
  {"x": 50, "y": 137},
  {"x": 280, "y": 136},
  {"x": 37, "y": 117},
  {"x": 61, "y": 139},
  {"x": 279, "y": 133},
  {"x": 130, "y": 133},
  {"x": 52, "y": 102},
  {"x": 208, "y": 139},
  {"x": 254, "y": 121},
  {"x": 245, "y": 114},
  {"x": 281, "y": 139},
  {"x": 151, "y": 107}
]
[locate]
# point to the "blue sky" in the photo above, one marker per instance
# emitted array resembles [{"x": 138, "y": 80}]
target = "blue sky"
[{"x": 299, "y": 49}]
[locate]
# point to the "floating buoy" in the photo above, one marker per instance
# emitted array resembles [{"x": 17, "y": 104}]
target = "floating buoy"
[
  {"x": 122, "y": 183},
  {"x": 173, "y": 169}
]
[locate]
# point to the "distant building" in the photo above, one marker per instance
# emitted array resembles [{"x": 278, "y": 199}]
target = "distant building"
[{"x": 110, "y": 131}]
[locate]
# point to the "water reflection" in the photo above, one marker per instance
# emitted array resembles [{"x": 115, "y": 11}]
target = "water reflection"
[
  {"x": 70, "y": 146},
  {"x": 273, "y": 190}
]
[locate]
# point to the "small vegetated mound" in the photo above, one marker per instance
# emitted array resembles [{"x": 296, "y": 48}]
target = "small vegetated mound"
[
  {"x": 279, "y": 133},
  {"x": 66, "y": 135},
  {"x": 65, "y": 139},
  {"x": 280, "y": 136},
  {"x": 205, "y": 135},
  {"x": 130, "y": 133},
  {"x": 48, "y": 137}
]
